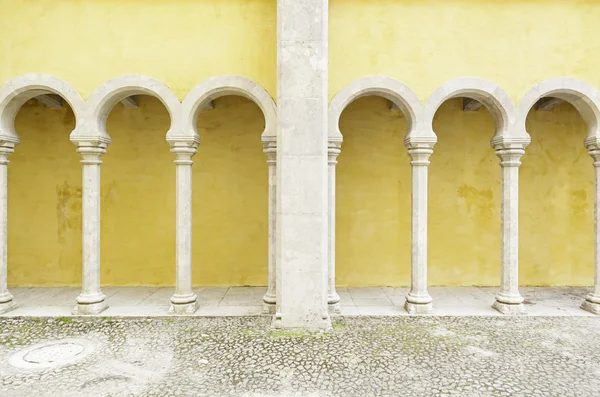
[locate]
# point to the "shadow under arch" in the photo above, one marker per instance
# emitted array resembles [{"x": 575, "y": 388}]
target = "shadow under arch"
[
  {"x": 193, "y": 104},
  {"x": 509, "y": 143},
  {"x": 404, "y": 100},
  {"x": 585, "y": 99},
  {"x": 65, "y": 245}
]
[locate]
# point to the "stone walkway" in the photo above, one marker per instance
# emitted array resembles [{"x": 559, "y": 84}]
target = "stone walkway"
[
  {"x": 245, "y": 301},
  {"x": 242, "y": 356}
]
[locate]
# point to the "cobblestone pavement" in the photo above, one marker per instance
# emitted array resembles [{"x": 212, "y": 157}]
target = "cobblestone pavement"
[{"x": 361, "y": 356}]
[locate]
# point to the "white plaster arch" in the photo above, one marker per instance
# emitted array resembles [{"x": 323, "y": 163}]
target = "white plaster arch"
[
  {"x": 15, "y": 92},
  {"x": 491, "y": 95},
  {"x": 386, "y": 87},
  {"x": 102, "y": 100},
  {"x": 583, "y": 97},
  {"x": 219, "y": 86}
]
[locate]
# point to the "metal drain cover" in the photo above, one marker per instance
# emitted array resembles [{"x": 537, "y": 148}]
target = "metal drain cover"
[{"x": 52, "y": 354}]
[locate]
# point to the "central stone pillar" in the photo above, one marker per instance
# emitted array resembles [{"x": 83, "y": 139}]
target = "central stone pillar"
[
  {"x": 302, "y": 164},
  {"x": 6, "y": 299}
]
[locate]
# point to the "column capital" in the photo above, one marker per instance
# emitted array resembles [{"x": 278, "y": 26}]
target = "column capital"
[
  {"x": 91, "y": 151},
  {"x": 184, "y": 150},
  {"x": 334, "y": 148},
  {"x": 6, "y": 149},
  {"x": 270, "y": 148},
  {"x": 510, "y": 153},
  {"x": 594, "y": 152},
  {"x": 420, "y": 152}
]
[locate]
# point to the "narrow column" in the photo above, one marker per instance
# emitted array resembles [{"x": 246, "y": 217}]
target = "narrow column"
[
  {"x": 184, "y": 300},
  {"x": 509, "y": 300},
  {"x": 302, "y": 164},
  {"x": 333, "y": 299},
  {"x": 270, "y": 298},
  {"x": 91, "y": 300},
  {"x": 592, "y": 300},
  {"x": 6, "y": 299},
  {"x": 418, "y": 300}
]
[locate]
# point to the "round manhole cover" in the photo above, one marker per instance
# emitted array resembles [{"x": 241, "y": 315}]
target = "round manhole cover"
[
  {"x": 51, "y": 354},
  {"x": 54, "y": 353}
]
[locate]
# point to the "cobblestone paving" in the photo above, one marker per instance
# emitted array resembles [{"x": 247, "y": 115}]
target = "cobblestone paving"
[{"x": 385, "y": 356}]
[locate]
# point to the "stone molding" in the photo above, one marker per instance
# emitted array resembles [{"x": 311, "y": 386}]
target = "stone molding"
[
  {"x": 15, "y": 92},
  {"x": 219, "y": 86}
]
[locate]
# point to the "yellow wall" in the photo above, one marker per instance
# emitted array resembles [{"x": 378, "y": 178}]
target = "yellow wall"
[
  {"x": 138, "y": 198},
  {"x": 373, "y": 199},
  {"x": 181, "y": 42}
]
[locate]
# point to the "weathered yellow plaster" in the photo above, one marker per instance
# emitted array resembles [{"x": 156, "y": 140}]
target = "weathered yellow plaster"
[
  {"x": 179, "y": 42},
  {"x": 138, "y": 198}
]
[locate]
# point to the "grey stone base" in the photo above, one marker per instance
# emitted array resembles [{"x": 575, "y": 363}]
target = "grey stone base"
[
  {"x": 7, "y": 306},
  {"x": 334, "y": 308},
  {"x": 509, "y": 308},
  {"x": 90, "y": 308},
  {"x": 591, "y": 307},
  {"x": 269, "y": 308},
  {"x": 418, "y": 308},
  {"x": 183, "y": 308}
]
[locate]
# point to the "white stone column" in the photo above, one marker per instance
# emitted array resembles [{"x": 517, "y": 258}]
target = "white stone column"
[
  {"x": 91, "y": 300},
  {"x": 6, "y": 299},
  {"x": 184, "y": 300},
  {"x": 270, "y": 298},
  {"x": 592, "y": 300},
  {"x": 509, "y": 300},
  {"x": 333, "y": 299},
  {"x": 418, "y": 300},
  {"x": 302, "y": 98}
]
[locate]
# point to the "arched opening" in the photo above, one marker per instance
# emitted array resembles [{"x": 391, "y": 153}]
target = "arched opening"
[
  {"x": 44, "y": 196},
  {"x": 373, "y": 196},
  {"x": 557, "y": 199},
  {"x": 464, "y": 198},
  {"x": 138, "y": 196},
  {"x": 230, "y": 199}
]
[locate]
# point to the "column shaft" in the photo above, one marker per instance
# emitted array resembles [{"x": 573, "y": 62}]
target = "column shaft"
[
  {"x": 418, "y": 299},
  {"x": 333, "y": 299},
  {"x": 6, "y": 299},
  {"x": 509, "y": 300},
  {"x": 184, "y": 301},
  {"x": 592, "y": 300},
  {"x": 91, "y": 300},
  {"x": 270, "y": 298}
]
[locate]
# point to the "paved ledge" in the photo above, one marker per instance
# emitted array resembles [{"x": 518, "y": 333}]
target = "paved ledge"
[{"x": 247, "y": 301}]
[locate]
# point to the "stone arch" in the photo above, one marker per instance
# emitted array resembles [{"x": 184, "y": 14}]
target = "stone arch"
[
  {"x": 219, "y": 86},
  {"x": 583, "y": 97},
  {"x": 492, "y": 96},
  {"x": 17, "y": 91},
  {"x": 388, "y": 88},
  {"x": 108, "y": 94}
]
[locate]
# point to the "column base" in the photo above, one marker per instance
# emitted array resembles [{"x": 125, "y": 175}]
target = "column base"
[
  {"x": 269, "y": 304},
  {"x": 418, "y": 308},
  {"x": 183, "y": 308},
  {"x": 90, "y": 308},
  {"x": 7, "y": 306},
  {"x": 269, "y": 308},
  {"x": 509, "y": 308},
  {"x": 333, "y": 303},
  {"x": 590, "y": 306}
]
